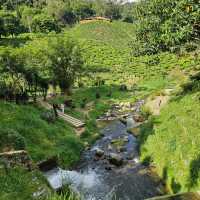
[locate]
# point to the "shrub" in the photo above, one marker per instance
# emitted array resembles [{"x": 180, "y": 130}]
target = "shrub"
[
  {"x": 189, "y": 47},
  {"x": 98, "y": 96},
  {"x": 11, "y": 139},
  {"x": 48, "y": 116},
  {"x": 146, "y": 112}
]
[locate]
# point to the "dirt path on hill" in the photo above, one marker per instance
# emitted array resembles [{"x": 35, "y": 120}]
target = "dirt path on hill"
[{"x": 158, "y": 102}]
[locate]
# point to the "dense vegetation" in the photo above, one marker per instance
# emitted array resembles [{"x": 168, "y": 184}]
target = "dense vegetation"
[
  {"x": 166, "y": 25},
  {"x": 44, "y": 48},
  {"x": 45, "y": 16},
  {"x": 175, "y": 132}
]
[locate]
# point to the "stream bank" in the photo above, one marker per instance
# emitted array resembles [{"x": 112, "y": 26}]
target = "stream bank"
[{"x": 111, "y": 168}]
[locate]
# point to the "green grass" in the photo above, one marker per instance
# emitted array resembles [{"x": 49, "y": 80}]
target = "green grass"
[
  {"x": 171, "y": 141},
  {"x": 43, "y": 140},
  {"x": 107, "y": 53},
  {"x": 20, "y": 185},
  {"x": 176, "y": 133},
  {"x": 94, "y": 107}
]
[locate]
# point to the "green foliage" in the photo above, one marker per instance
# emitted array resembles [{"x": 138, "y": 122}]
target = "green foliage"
[
  {"x": 66, "y": 62},
  {"x": 10, "y": 24},
  {"x": 2, "y": 31},
  {"x": 43, "y": 140},
  {"x": 19, "y": 184},
  {"x": 176, "y": 134},
  {"x": 162, "y": 25},
  {"x": 10, "y": 139},
  {"x": 112, "y": 10},
  {"x": 44, "y": 23},
  {"x": 48, "y": 116}
]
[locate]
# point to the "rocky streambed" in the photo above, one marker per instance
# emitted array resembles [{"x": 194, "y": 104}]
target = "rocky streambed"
[{"x": 111, "y": 168}]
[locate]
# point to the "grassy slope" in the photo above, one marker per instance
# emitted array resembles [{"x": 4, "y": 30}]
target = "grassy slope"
[
  {"x": 106, "y": 46},
  {"x": 43, "y": 140},
  {"x": 176, "y": 134}
]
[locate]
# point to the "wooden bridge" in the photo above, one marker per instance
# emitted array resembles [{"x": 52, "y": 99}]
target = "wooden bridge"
[{"x": 69, "y": 119}]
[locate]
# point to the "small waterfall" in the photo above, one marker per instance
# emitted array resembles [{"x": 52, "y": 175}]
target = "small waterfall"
[
  {"x": 98, "y": 179},
  {"x": 58, "y": 177}
]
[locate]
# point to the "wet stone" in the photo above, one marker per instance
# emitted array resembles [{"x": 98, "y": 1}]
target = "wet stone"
[
  {"x": 115, "y": 159},
  {"x": 99, "y": 152}
]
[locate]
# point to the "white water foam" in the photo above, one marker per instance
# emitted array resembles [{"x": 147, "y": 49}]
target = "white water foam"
[{"x": 58, "y": 177}]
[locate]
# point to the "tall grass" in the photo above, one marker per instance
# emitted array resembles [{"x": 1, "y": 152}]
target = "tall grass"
[
  {"x": 42, "y": 139},
  {"x": 176, "y": 133}
]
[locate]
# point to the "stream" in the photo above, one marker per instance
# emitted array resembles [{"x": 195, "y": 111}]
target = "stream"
[{"x": 97, "y": 178}]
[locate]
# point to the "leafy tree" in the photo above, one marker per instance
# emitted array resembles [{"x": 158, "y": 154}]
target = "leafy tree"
[
  {"x": 27, "y": 16},
  {"x": 12, "y": 68},
  {"x": 84, "y": 10},
  {"x": 62, "y": 12},
  {"x": 44, "y": 23},
  {"x": 66, "y": 62},
  {"x": 99, "y": 7},
  {"x": 14, "y": 4},
  {"x": 11, "y": 24},
  {"x": 113, "y": 10},
  {"x": 2, "y": 32},
  {"x": 164, "y": 24}
]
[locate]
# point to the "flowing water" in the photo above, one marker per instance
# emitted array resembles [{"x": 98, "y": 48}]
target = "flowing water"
[
  {"x": 96, "y": 179},
  {"x": 93, "y": 178}
]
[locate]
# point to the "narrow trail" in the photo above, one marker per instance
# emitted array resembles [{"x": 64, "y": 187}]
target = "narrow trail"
[{"x": 158, "y": 102}]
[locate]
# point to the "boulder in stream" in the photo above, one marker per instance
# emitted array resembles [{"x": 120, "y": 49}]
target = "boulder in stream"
[
  {"x": 99, "y": 152},
  {"x": 138, "y": 118},
  {"x": 115, "y": 159}
]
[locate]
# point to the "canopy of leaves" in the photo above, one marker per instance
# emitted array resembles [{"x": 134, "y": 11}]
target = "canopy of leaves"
[{"x": 165, "y": 24}]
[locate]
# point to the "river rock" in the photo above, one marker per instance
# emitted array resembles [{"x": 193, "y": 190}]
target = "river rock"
[
  {"x": 138, "y": 118},
  {"x": 126, "y": 139},
  {"x": 122, "y": 149},
  {"x": 115, "y": 159},
  {"x": 99, "y": 152},
  {"x": 109, "y": 147},
  {"x": 108, "y": 168}
]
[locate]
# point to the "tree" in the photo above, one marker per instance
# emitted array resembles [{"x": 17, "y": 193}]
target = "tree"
[
  {"x": 99, "y": 6},
  {"x": 84, "y": 10},
  {"x": 66, "y": 62},
  {"x": 62, "y": 12},
  {"x": 12, "y": 68},
  {"x": 44, "y": 23},
  {"x": 2, "y": 32},
  {"x": 27, "y": 16},
  {"x": 11, "y": 24},
  {"x": 113, "y": 10},
  {"x": 165, "y": 24}
]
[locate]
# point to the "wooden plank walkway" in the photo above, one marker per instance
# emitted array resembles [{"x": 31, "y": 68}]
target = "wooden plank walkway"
[{"x": 71, "y": 120}]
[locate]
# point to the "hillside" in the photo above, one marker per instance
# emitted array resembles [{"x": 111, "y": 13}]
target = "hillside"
[
  {"x": 176, "y": 134},
  {"x": 175, "y": 131},
  {"x": 42, "y": 139},
  {"x": 107, "y": 52}
]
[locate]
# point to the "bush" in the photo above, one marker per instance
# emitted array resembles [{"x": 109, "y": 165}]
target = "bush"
[
  {"x": 48, "y": 116},
  {"x": 146, "y": 112},
  {"x": 11, "y": 139},
  {"x": 189, "y": 47}
]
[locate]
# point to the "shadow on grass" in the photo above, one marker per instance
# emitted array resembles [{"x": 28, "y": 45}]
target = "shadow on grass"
[
  {"x": 176, "y": 187},
  {"x": 147, "y": 129},
  {"x": 194, "y": 173},
  {"x": 13, "y": 42}
]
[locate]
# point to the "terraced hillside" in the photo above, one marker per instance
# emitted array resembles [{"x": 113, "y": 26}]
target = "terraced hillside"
[{"x": 107, "y": 51}]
